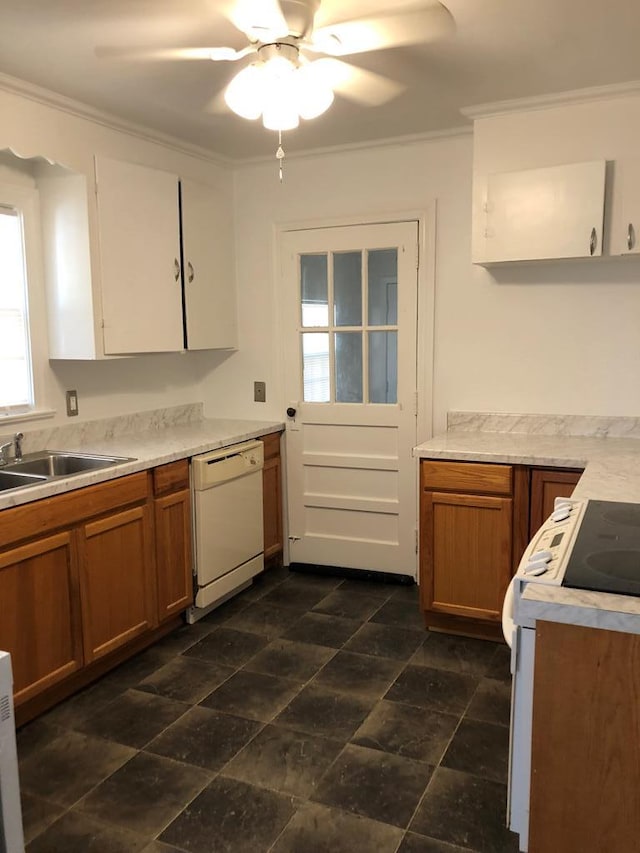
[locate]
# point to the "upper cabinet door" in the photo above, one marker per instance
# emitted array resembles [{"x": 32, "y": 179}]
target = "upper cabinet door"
[
  {"x": 209, "y": 268},
  {"x": 139, "y": 230},
  {"x": 549, "y": 213},
  {"x": 625, "y": 220}
]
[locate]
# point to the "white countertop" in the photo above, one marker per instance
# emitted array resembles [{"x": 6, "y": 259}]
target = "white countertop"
[
  {"x": 612, "y": 472},
  {"x": 150, "y": 448}
]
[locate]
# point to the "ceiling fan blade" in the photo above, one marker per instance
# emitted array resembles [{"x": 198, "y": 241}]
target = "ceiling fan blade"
[
  {"x": 260, "y": 20},
  {"x": 355, "y": 84},
  {"x": 161, "y": 53},
  {"x": 384, "y": 31}
]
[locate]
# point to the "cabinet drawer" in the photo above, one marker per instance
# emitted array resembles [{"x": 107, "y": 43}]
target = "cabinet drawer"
[
  {"x": 46, "y": 515},
  {"x": 271, "y": 445},
  {"x": 171, "y": 477},
  {"x": 474, "y": 477}
]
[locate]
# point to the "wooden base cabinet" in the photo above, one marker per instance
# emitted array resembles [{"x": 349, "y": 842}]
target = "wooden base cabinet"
[
  {"x": 467, "y": 544},
  {"x": 116, "y": 581},
  {"x": 272, "y": 497},
  {"x": 476, "y": 519},
  {"x": 585, "y": 750},
  {"x": 547, "y": 484},
  {"x": 174, "y": 562},
  {"x": 467, "y": 557},
  {"x": 40, "y": 613},
  {"x": 90, "y": 577}
]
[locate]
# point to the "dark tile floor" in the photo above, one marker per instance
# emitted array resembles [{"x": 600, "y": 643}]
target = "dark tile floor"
[{"x": 307, "y": 715}]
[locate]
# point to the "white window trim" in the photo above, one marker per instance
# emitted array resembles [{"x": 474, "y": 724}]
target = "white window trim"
[{"x": 27, "y": 201}]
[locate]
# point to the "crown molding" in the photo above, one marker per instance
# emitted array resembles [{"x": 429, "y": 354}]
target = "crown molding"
[
  {"x": 559, "y": 99},
  {"x": 387, "y": 142},
  {"x": 48, "y": 98}
]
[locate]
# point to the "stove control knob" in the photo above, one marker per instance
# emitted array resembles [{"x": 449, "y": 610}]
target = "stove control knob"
[
  {"x": 561, "y": 514},
  {"x": 541, "y": 556},
  {"x": 535, "y": 569},
  {"x": 562, "y": 502}
]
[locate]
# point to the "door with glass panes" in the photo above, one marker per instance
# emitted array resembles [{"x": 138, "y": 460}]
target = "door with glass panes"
[{"x": 350, "y": 311}]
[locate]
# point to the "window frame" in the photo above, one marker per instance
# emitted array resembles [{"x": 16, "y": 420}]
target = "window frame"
[{"x": 26, "y": 201}]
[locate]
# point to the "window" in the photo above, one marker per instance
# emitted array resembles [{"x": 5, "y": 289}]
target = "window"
[
  {"x": 23, "y": 333},
  {"x": 349, "y": 326},
  {"x": 16, "y": 385}
]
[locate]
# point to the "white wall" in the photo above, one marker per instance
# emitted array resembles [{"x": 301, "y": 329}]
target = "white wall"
[
  {"x": 555, "y": 338},
  {"x": 347, "y": 186},
  {"x": 119, "y": 386}
]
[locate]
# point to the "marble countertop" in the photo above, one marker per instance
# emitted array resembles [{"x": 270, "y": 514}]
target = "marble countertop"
[
  {"x": 611, "y": 472},
  {"x": 611, "y": 465},
  {"x": 149, "y": 448}
]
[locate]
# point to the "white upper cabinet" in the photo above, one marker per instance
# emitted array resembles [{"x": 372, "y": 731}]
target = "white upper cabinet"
[
  {"x": 539, "y": 214},
  {"x": 139, "y": 229},
  {"x": 625, "y": 219},
  {"x": 167, "y": 262},
  {"x": 210, "y": 297}
]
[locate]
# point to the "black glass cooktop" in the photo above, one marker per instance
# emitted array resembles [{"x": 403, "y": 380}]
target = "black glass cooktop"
[{"x": 606, "y": 554}]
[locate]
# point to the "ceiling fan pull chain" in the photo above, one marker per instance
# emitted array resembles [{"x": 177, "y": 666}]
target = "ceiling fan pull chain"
[{"x": 280, "y": 154}]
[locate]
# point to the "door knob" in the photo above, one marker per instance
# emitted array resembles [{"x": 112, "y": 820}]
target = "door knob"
[{"x": 291, "y": 412}]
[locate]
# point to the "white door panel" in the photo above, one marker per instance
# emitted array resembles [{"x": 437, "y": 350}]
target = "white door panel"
[{"x": 350, "y": 307}]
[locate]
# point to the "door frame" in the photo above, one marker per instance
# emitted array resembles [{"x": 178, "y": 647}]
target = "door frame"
[{"x": 425, "y": 332}]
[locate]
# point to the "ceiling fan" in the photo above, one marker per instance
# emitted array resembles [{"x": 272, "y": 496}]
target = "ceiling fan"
[{"x": 294, "y": 69}]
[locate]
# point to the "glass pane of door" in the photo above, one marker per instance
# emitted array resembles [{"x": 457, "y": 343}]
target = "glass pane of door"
[
  {"x": 348, "y": 367},
  {"x": 347, "y": 288},
  {"x": 383, "y": 367},
  {"x": 314, "y": 290},
  {"x": 382, "y": 267},
  {"x": 315, "y": 367}
]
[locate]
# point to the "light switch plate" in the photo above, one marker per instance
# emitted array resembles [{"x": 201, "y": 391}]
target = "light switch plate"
[
  {"x": 72, "y": 404},
  {"x": 260, "y": 392}
]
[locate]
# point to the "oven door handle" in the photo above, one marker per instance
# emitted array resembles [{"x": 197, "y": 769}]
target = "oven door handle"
[{"x": 508, "y": 626}]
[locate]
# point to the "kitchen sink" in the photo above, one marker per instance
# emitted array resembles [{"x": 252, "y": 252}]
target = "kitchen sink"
[
  {"x": 38, "y": 468},
  {"x": 52, "y": 463},
  {"x": 18, "y": 481}
]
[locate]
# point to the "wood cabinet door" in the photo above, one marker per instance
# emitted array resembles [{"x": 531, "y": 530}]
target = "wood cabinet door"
[
  {"x": 585, "y": 750},
  {"x": 116, "y": 580},
  {"x": 209, "y": 268},
  {"x": 466, "y": 554},
  {"x": 272, "y": 507},
  {"x": 141, "y": 281},
  {"x": 40, "y": 613},
  {"x": 547, "y": 484},
  {"x": 174, "y": 564}
]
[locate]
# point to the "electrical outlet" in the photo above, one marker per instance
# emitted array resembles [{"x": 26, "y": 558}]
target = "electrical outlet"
[
  {"x": 260, "y": 392},
  {"x": 72, "y": 404}
]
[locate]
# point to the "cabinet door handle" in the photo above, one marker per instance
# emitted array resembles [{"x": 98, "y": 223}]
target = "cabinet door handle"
[
  {"x": 593, "y": 242},
  {"x": 631, "y": 236},
  {"x": 192, "y": 274},
  {"x": 176, "y": 267}
]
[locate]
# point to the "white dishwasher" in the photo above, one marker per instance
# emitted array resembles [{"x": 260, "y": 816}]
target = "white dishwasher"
[{"x": 228, "y": 529}]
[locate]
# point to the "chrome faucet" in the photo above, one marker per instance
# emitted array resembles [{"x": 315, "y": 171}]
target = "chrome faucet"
[
  {"x": 4, "y": 458},
  {"x": 17, "y": 444}
]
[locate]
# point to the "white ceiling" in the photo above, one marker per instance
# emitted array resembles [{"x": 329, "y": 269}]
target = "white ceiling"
[{"x": 502, "y": 49}]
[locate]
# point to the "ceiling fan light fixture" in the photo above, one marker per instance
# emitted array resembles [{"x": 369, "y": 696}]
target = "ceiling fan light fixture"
[
  {"x": 245, "y": 93},
  {"x": 314, "y": 97},
  {"x": 279, "y": 89}
]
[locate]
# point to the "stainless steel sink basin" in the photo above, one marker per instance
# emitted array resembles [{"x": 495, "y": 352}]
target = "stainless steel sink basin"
[
  {"x": 18, "y": 481},
  {"x": 37, "y": 468},
  {"x": 52, "y": 463}
]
